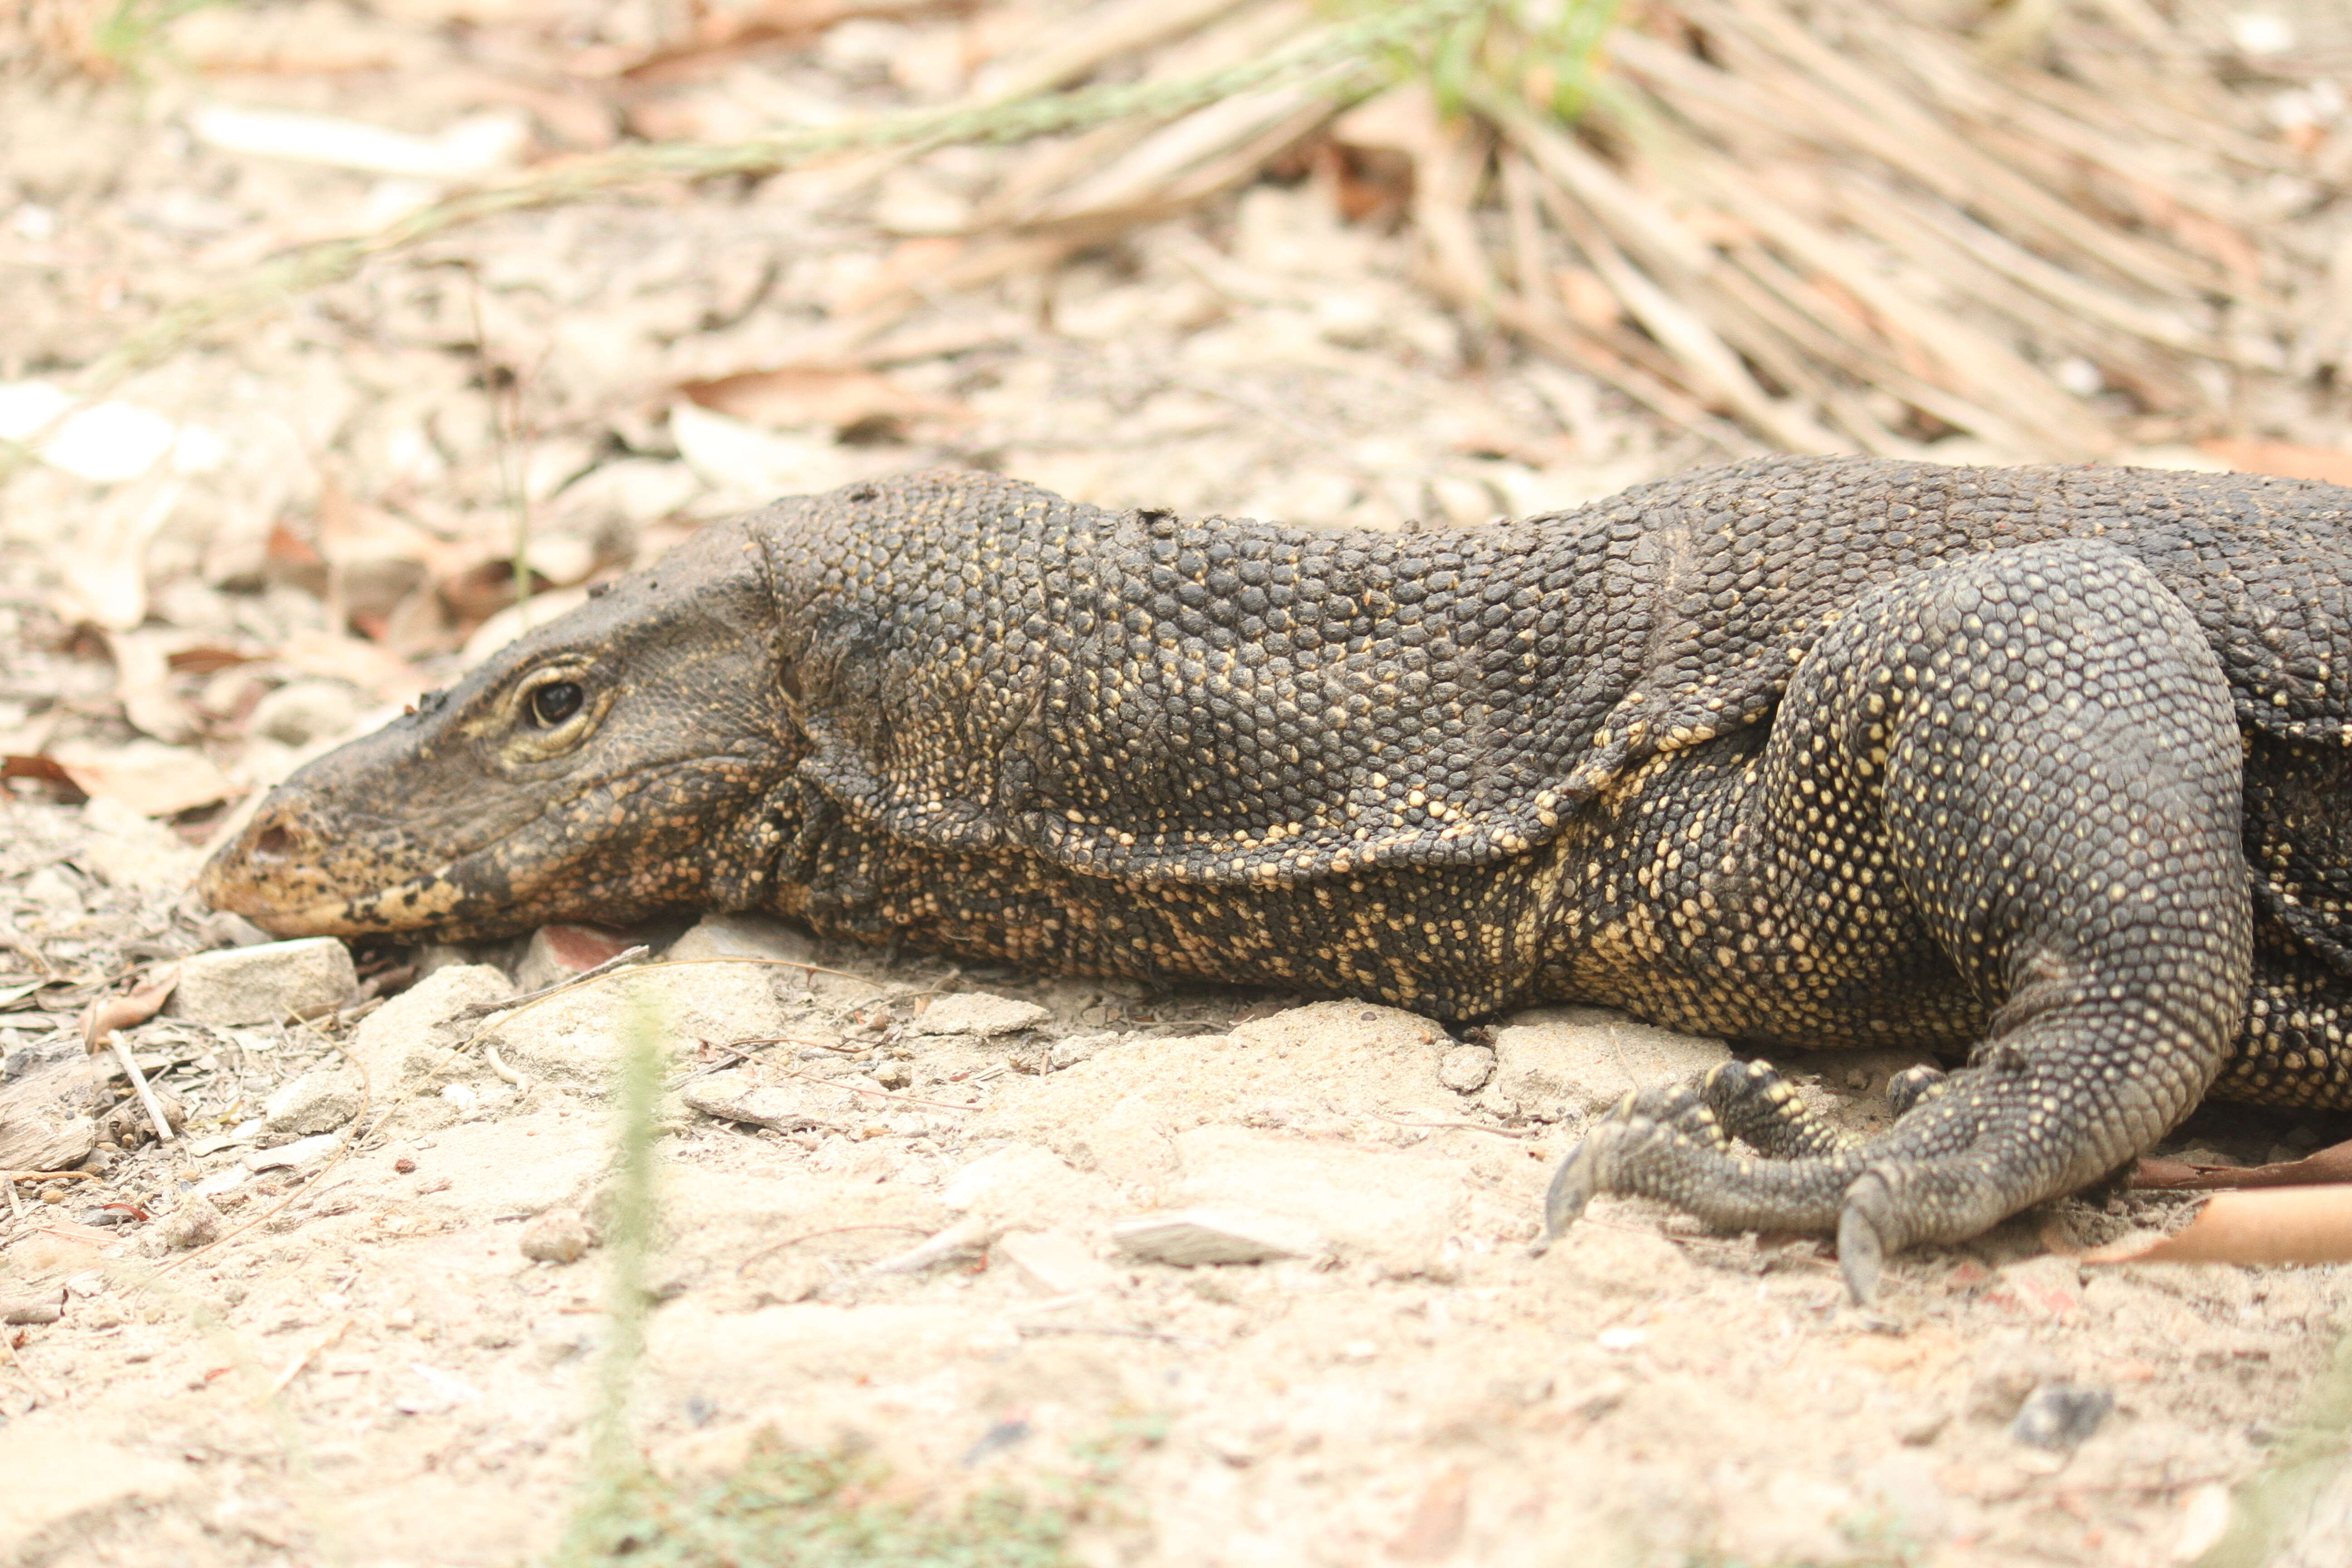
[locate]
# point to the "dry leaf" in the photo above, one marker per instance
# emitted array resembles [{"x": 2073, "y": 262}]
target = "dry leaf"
[
  {"x": 207, "y": 658},
  {"x": 142, "y": 684},
  {"x": 2281, "y": 1225},
  {"x": 2283, "y": 458},
  {"x": 799, "y": 396},
  {"x": 356, "y": 663},
  {"x": 149, "y": 777},
  {"x": 48, "y": 769},
  {"x": 104, "y": 564},
  {"x": 2329, "y": 1165},
  {"x": 106, "y": 1014}
]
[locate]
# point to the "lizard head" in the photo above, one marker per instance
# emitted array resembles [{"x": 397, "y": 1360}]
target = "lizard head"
[{"x": 625, "y": 758}]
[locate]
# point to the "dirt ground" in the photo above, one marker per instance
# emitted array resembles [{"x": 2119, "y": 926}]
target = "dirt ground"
[
  {"x": 919, "y": 1252},
  {"x": 356, "y": 1312}
]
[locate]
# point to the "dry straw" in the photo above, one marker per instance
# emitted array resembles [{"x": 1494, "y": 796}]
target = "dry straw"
[{"x": 1841, "y": 224}]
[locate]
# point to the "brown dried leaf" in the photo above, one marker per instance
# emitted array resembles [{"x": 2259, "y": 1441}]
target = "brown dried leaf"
[
  {"x": 2282, "y": 1224},
  {"x": 2283, "y": 458},
  {"x": 48, "y": 770},
  {"x": 149, "y": 777},
  {"x": 106, "y": 1014},
  {"x": 2329, "y": 1165},
  {"x": 360, "y": 664},
  {"x": 206, "y": 658},
  {"x": 798, "y": 396}
]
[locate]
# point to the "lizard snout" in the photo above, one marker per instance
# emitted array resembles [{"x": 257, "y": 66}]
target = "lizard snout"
[
  {"x": 272, "y": 844},
  {"x": 276, "y": 837},
  {"x": 259, "y": 869}
]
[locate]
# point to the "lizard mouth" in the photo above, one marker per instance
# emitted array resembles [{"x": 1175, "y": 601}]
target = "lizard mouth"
[{"x": 288, "y": 879}]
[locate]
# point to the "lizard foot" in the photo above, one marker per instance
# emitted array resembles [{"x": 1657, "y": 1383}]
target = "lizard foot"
[
  {"x": 1952, "y": 1164},
  {"x": 1747, "y": 1100}
]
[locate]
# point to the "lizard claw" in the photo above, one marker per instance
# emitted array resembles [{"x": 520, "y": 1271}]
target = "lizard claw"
[
  {"x": 1572, "y": 1186},
  {"x": 1866, "y": 1234}
]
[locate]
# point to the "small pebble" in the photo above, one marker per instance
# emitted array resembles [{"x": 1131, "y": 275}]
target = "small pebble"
[
  {"x": 196, "y": 1222},
  {"x": 558, "y": 1235},
  {"x": 2061, "y": 1415},
  {"x": 1922, "y": 1427},
  {"x": 404, "y": 1165},
  {"x": 1465, "y": 1070},
  {"x": 1071, "y": 1049},
  {"x": 977, "y": 1013}
]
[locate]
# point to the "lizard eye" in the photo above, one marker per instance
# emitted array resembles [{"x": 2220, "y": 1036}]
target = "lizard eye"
[{"x": 555, "y": 703}]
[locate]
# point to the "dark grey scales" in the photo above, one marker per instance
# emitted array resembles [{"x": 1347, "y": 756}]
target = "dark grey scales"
[{"x": 2045, "y": 766}]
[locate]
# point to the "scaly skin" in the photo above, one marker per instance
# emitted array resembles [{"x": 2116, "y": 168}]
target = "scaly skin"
[{"x": 1805, "y": 752}]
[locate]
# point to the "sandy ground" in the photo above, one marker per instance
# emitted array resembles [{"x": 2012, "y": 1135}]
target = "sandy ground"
[{"x": 921, "y": 1253}]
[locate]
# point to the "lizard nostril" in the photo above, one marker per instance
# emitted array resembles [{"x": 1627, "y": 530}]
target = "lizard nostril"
[{"x": 275, "y": 844}]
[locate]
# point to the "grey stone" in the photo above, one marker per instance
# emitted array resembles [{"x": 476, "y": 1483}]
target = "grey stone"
[
  {"x": 1465, "y": 1070},
  {"x": 315, "y": 1102},
  {"x": 45, "y": 1124},
  {"x": 1069, "y": 1052},
  {"x": 2061, "y": 1415},
  {"x": 1583, "y": 1060},
  {"x": 415, "y": 1032},
  {"x": 742, "y": 936},
  {"x": 977, "y": 1013},
  {"x": 1189, "y": 1237},
  {"x": 263, "y": 985},
  {"x": 197, "y": 1222},
  {"x": 558, "y": 1235}
]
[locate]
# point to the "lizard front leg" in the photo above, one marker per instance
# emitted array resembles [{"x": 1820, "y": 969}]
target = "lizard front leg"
[{"x": 2029, "y": 759}]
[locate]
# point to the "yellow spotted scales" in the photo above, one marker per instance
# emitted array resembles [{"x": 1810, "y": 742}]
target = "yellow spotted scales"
[{"x": 1802, "y": 751}]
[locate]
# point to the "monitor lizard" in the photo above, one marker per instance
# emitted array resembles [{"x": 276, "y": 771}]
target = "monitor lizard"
[{"x": 2042, "y": 768}]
